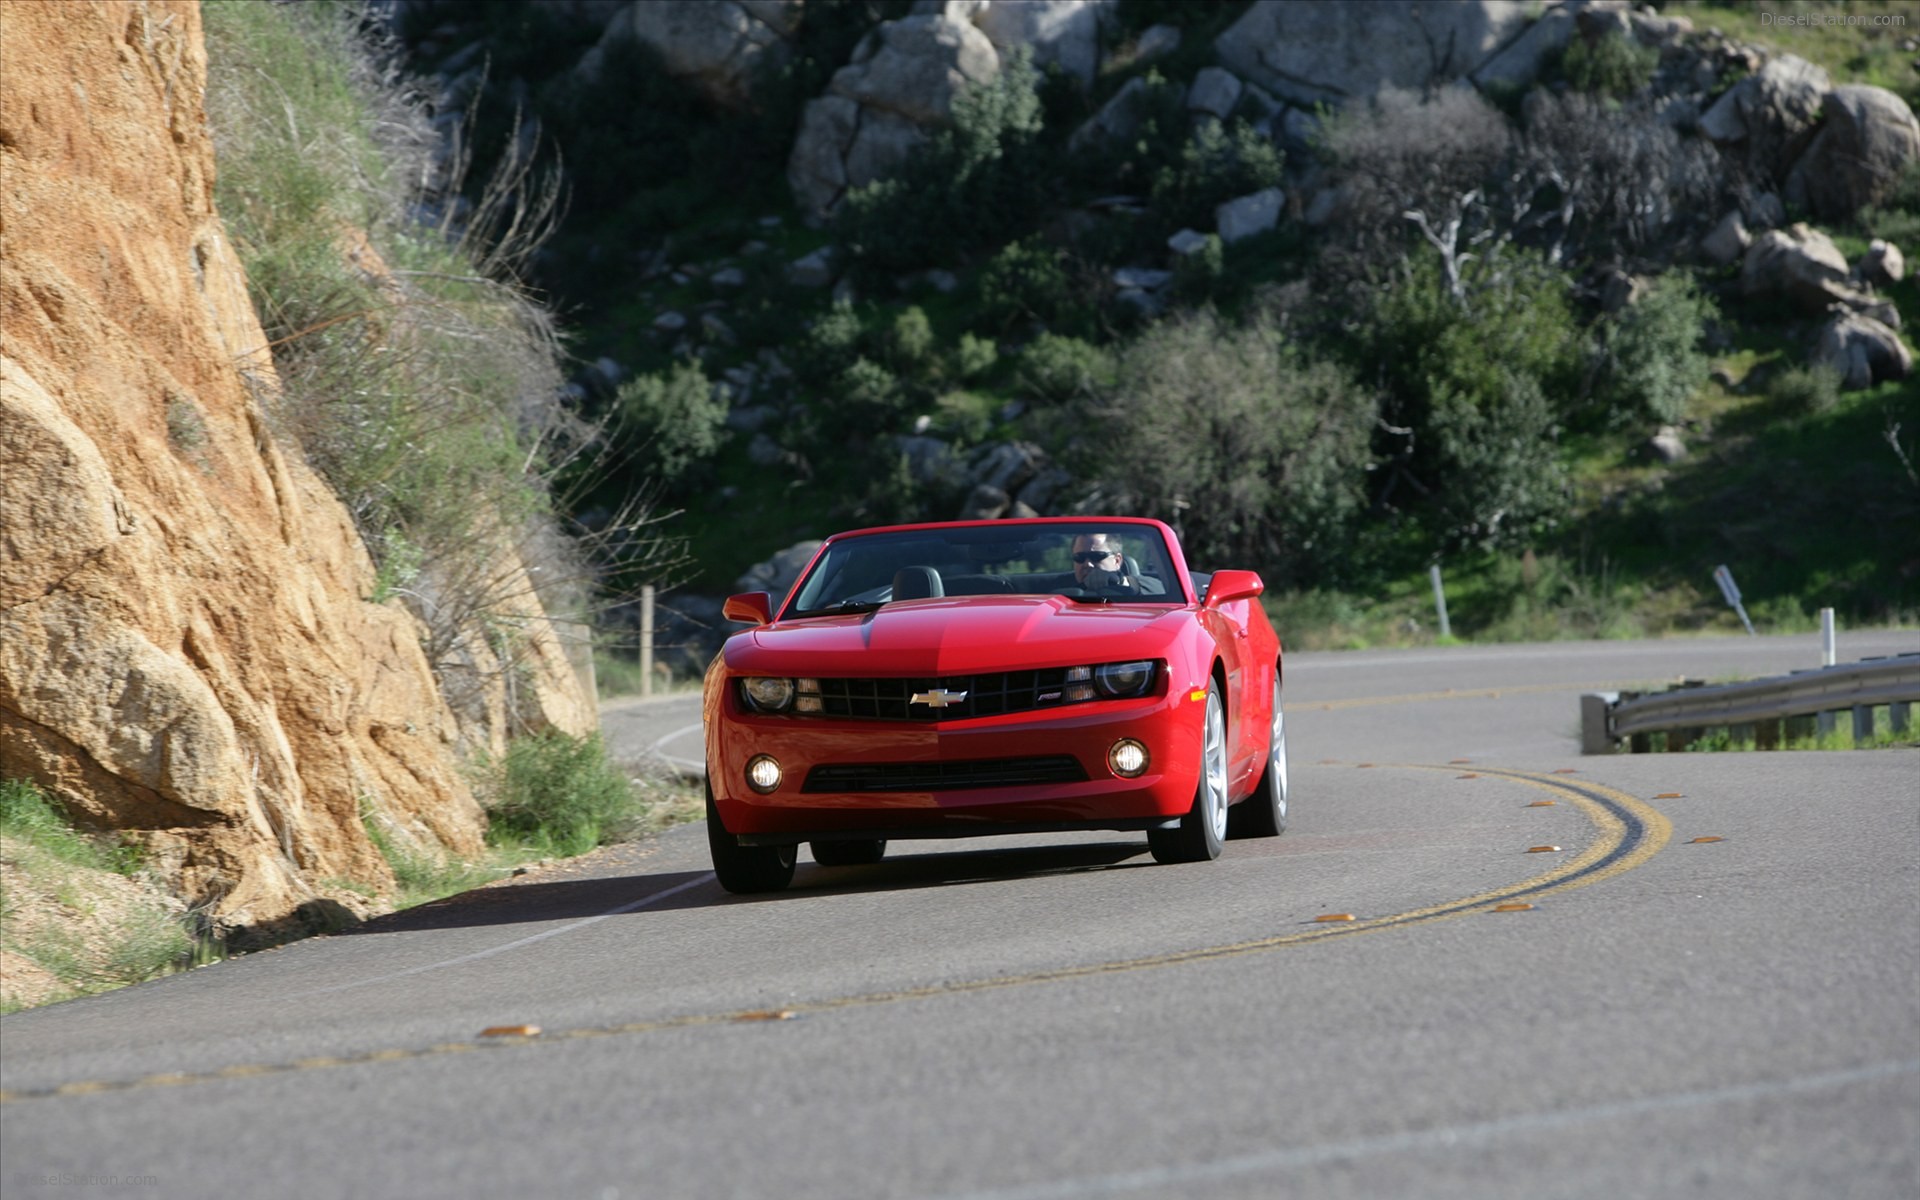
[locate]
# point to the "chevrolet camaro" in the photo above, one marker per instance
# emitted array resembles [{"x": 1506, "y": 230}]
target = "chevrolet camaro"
[{"x": 988, "y": 677}]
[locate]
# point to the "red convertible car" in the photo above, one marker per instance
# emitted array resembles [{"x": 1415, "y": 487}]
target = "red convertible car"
[{"x": 984, "y": 677}]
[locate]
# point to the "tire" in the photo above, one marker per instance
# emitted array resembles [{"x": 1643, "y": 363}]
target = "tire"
[
  {"x": 1201, "y": 832},
  {"x": 744, "y": 870},
  {"x": 1264, "y": 814},
  {"x": 859, "y": 852}
]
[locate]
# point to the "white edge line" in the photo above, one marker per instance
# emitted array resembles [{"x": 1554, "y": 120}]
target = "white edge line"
[{"x": 631, "y": 906}]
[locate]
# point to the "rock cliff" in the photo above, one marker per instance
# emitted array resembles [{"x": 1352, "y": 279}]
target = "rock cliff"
[{"x": 185, "y": 651}]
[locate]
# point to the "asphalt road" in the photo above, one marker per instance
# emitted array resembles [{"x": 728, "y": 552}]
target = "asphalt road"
[{"x": 1059, "y": 1017}]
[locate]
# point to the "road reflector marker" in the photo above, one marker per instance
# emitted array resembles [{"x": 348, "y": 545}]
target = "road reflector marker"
[
  {"x": 1543, "y": 849},
  {"x": 511, "y": 1031},
  {"x": 1542, "y": 804},
  {"x": 1328, "y": 762},
  {"x": 1454, "y": 762},
  {"x": 1516, "y": 906},
  {"x": 1567, "y": 771},
  {"x": 1363, "y": 766},
  {"x": 1669, "y": 796},
  {"x": 1697, "y": 841},
  {"x": 771, "y": 1014},
  {"x": 1468, "y": 775},
  {"x": 1335, "y": 917}
]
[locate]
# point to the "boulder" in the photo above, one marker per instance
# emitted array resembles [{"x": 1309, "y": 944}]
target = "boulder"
[
  {"x": 717, "y": 47},
  {"x": 1522, "y": 60},
  {"x": 1117, "y": 120},
  {"x": 1246, "y": 216},
  {"x": 1801, "y": 264},
  {"x": 1867, "y": 138},
  {"x": 1883, "y": 265},
  {"x": 1186, "y": 242},
  {"x": 779, "y": 573},
  {"x": 1063, "y": 33},
  {"x": 814, "y": 270},
  {"x": 1728, "y": 241},
  {"x": 1667, "y": 445},
  {"x": 900, "y": 85},
  {"x": 930, "y": 461},
  {"x": 1214, "y": 93},
  {"x": 984, "y": 503},
  {"x": 1771, "y": 113},
  {"x": 1864, "y": 351},
  {"x": 1007, "y": 465},
  {"x": 1313, "y": 53},
  {"x": 1155, "y": 43}
]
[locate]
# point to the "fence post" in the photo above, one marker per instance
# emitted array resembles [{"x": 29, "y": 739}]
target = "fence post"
[
  {"x": 646, "y": 639},
  {"x": 1440, "y": 600},
  {"x": 1826, "y": 637}
]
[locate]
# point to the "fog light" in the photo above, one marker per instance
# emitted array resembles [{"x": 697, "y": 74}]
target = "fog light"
[
  {"x": 1128, "y": 758},
  {"x": 763, "y": 773}
]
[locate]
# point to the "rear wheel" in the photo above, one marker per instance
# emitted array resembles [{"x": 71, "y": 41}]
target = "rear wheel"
[
  {"x": 1200, "y": 833},
  {"x": 858, "y": 852},
  {"x": 746, "y": 869},
  {"x": 1264, "y": 814}
]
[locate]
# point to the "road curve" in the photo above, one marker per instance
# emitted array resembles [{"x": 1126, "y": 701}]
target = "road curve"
[{"x": 1637, "y": 1010}]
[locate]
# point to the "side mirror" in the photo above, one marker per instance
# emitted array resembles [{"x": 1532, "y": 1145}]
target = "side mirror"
[
  {"x": 749, "y": 608},
  {"x": 1233, "y": 585}
]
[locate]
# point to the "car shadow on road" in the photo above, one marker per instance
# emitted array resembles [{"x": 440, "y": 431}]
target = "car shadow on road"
[{"x": 578, "y": 899}]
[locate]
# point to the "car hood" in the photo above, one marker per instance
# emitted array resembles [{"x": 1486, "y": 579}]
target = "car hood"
[{"x": 958, "y": 636}]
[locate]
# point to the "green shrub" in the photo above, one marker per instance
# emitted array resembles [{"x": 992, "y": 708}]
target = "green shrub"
[
  {"x": 1059, "y": 368},
  {"x": 1258, "y": 454},
  {"x": 1806, "y": 390},
  {"x": 1216, "y": 164},
  {"x": 1026, "y": 281},
  {"x": 1470, "y": 383},
  {"x": 912, "y": 339},
  {"x": 973, "y": 357},
  {"x": 676, "y": 417},
  {"x": 967, "y": 187},
  {"x": 1613, "y": 65},
  {"x": 1653, "y": 363},
  {"x": 557, "y": 794}
]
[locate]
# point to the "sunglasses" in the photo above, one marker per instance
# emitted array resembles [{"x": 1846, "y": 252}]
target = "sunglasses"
[{"x": 1090, "y": 557}]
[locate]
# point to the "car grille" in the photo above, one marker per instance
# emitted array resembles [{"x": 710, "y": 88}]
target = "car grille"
[
  {"x": 986, "y": 695},
  {"x": 944, "y": 776}
]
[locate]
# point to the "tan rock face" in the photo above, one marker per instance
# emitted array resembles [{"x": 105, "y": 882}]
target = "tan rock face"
[{"x": 184, "y": 648}]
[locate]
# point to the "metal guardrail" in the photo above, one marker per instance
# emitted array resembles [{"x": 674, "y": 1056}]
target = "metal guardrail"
[{"x": 1815, "y": 697}]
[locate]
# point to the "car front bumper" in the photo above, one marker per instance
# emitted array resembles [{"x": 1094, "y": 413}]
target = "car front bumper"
[{"x": 987, "y": 754}]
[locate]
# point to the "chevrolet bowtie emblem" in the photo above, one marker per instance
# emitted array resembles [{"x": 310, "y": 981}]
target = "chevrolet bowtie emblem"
[{"x": 939, "y": 699}]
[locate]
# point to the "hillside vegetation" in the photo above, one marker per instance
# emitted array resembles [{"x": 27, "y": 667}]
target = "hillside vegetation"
[{"x": 1435, "y": 374}]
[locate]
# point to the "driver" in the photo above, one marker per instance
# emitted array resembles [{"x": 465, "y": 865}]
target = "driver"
[{"x": 1100, "y": 564}]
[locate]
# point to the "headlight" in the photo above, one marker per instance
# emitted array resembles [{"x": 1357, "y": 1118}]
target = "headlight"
[
  {"x": 767, "y": 694},
  {"x": 1123, "y": 679}
]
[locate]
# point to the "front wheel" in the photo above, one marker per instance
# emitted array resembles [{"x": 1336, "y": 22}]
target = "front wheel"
[
  {"x": 1264, "y": 814},
  {"x": 1202, "y": 831},
  {"x": 746, "y": 869}
]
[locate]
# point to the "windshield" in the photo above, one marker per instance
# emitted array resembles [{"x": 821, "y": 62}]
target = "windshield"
[{"x": 1094, "y": 562}]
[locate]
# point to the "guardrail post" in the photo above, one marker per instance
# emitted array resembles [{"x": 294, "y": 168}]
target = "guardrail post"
[
  {"x": 1766, "y": 735},
  {"x": 1824, "y": 723},
  {"x": 1862, "y": 723},
  {"x": 1595, "y": 736},
  {"x": 1897, "y": 716}
]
